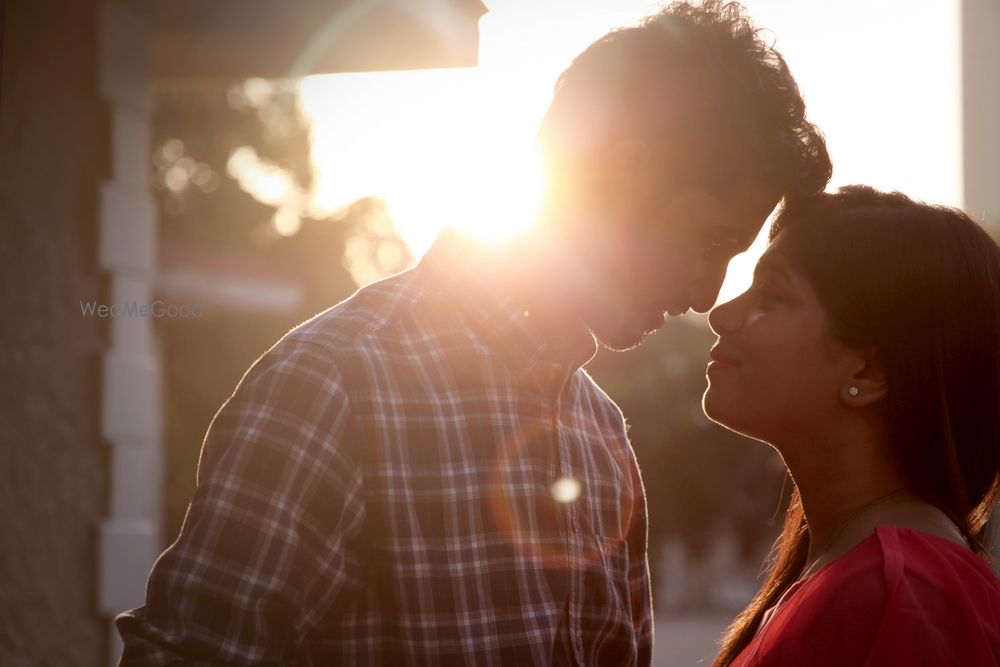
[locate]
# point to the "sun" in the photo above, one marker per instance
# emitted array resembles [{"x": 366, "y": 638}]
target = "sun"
[
  {"x": 478, "y": 175},
  {"x": 438, "y": 146},
  {"x": 454, "y": 147}
]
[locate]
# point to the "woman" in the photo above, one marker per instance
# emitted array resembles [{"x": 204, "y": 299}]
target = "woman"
[{"x": 867, "y": 352}]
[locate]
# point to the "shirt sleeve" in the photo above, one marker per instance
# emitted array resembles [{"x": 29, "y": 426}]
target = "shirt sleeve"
[
  {"x": 640, "y": 586},
  {"x": 910, "y": 636},
  {"x": 268, "y": 544},
  {"x": 908, "y": 626},
  {"x": 939, "y": 611},
  {"x": 886, "y": 605}
]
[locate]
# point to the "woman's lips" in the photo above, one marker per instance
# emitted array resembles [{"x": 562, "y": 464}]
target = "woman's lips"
[{"x": 721, "y": 360}]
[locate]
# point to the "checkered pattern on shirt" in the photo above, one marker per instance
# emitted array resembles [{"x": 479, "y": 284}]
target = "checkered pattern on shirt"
[{"x": 378, "y": 491}]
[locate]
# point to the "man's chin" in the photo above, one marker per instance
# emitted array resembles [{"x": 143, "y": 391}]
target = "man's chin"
[{"x": 624, "y": 338}]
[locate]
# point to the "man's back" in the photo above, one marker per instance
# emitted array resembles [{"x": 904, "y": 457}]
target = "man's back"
[{"x": 416, "y": 476}]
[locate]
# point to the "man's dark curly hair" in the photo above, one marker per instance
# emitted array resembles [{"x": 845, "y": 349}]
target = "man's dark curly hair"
[{"x": 699, "y": 84}]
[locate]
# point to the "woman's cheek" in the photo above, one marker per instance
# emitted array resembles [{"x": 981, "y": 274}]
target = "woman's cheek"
[{"x": 754, "y": 318}]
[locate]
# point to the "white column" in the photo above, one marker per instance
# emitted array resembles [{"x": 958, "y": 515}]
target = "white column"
[
  {"x": 130, "y": 537},
  {"x": 981, "y": 131},
  {"x": 981, "y": 111}
]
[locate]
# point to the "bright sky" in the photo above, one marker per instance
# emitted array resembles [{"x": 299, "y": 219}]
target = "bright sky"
[{"x": 456, "y": 147}]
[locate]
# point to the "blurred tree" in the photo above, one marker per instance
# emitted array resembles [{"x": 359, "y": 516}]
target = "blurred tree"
[
  {"x": 233, "y": 179},
  {"x": 227, "y": 157}
]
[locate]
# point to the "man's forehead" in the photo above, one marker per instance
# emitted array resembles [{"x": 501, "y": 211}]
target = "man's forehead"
[{"x": 740, "y": 210}]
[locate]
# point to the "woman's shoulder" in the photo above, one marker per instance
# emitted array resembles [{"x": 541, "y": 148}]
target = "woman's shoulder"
[
  {"x": 900, "y": 593},
  {"x": 919, "y": 559},
  {"x": 943, "y": 605},
  {"x": 902, "y": 566}
]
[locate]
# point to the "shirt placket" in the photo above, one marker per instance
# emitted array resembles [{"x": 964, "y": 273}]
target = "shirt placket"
[{"x": 570, "y": 513}]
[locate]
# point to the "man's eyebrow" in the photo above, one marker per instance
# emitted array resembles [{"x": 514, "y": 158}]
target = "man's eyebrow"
[{"x": 732, "y": 236}]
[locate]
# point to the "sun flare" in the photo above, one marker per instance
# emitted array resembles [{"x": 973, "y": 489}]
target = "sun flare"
[
  {"x": 433, "y": 144},
  {"x": 456, "y": 147}
]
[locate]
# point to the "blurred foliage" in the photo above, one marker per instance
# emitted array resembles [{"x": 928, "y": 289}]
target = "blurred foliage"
[
  {"x": 198, "y": 127},
  {"x": 233, "y": 176}
]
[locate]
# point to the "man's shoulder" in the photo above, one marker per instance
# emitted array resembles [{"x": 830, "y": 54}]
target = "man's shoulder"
[
  {"x": 360, "y": 319},
  {"x": 600, "y": 402},
  {"x": 595, "y": 392},
  {"x": 332, "y": 342}
]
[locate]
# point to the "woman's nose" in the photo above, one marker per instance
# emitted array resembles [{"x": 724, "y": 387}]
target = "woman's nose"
[{"x": 725, "y": 317}]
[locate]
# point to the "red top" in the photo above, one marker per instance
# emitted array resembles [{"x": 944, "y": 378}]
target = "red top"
[{"x": 898, "y": 597}]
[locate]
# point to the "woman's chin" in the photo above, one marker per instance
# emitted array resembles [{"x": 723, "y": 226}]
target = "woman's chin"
[
  {"x": 736, "y": 421},
  {"x": 715, "y": 408},
  {"x": 709, "y": 405}
]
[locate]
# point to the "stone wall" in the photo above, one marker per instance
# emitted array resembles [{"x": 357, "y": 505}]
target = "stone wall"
[{"x": 53, "y": 466}]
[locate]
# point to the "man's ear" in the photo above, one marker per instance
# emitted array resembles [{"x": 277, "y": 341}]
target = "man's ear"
[
  {"x": 630, "y": 160},
  {"x": 631, "y": 152},
  {"x": 628, "y": 174},
  {"x": 866, "y": 384}
]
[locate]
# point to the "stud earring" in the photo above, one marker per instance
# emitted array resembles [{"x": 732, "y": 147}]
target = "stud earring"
[{"x": 853, "y": 391}]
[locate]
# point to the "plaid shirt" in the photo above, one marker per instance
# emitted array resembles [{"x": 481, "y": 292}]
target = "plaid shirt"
[{"x": 414, "y": 477}]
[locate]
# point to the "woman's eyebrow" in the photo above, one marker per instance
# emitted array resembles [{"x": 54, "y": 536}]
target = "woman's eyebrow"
[{"x": 770, "y": 267}]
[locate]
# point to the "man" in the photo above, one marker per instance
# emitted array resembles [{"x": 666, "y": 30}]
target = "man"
[{"x": 423, "y": 474}]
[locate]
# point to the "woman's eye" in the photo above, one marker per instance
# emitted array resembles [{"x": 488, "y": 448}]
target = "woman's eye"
[{"x": 764, "y": 296}]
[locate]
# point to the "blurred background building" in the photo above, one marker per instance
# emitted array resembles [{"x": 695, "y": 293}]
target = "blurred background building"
[{"x": 180, "y": 151}]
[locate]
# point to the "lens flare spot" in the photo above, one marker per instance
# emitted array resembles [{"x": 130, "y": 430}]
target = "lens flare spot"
[{"x": 566, "y": 489}]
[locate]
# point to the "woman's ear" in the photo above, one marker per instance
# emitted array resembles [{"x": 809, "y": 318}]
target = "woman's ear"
[{"x": 866, "y": 384}]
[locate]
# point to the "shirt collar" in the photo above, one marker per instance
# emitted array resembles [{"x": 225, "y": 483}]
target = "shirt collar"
[{"x": 469, "y": 277}]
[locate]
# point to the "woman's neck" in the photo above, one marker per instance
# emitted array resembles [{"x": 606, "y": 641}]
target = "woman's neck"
[{"x": 852, "y": 489}]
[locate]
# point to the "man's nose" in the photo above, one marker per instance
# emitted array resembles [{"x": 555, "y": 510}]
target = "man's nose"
[
  {"x": 704, "y": 302},
  {"x": 703, "y": 293}
]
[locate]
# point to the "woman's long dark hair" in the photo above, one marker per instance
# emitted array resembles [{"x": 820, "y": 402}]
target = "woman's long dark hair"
[{"x": 921, "y": 284}]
